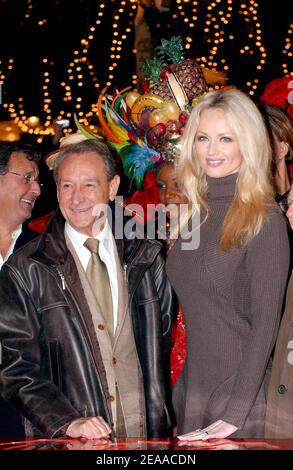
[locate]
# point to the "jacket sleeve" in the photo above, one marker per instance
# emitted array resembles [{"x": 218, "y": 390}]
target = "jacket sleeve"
[
  {"x": 22, "y": 381},
  {"x": 267, "y": 264},
  {"x": 166, "y": 298}
]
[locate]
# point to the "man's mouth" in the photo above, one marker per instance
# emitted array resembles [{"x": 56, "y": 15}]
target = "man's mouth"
[
  {"x": 30, "y": 202},
  {"x": 82, "y": 209}
]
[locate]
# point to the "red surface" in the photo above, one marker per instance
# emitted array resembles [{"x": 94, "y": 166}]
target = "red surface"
[{"x": 145, "y": 444}]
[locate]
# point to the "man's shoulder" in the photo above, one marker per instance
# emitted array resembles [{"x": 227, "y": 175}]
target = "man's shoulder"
[
  {"x": 26, "y": 235},
  {"x": 141, "y": 250},
  {"x": 21, "y": 255}
]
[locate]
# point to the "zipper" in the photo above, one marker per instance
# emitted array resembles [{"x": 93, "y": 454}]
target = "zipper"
[
  {"x": 61, "y": 275},
  {"x": 75, "y": 307}
]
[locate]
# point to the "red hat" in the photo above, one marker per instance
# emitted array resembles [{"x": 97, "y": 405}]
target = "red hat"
[{"x": 279, "y": 92}]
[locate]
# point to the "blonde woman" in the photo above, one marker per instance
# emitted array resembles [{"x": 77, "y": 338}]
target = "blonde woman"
[{"x": 231, "y": 287}]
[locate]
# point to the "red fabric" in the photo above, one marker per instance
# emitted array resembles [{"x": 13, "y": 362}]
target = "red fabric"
[
  {"x": 277, "y": 94},
  {"x": 150, "y": 195},
  {"x": 290, "y": 170},
  {"x": 178, "y": 351},
  {"x": 38, "y": 225}
]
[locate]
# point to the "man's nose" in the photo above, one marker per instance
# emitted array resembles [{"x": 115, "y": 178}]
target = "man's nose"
[
  {"x": 76, "y": 195},
  {"x": 289, "y": 212},
  {"x": 35, "y": 187}
]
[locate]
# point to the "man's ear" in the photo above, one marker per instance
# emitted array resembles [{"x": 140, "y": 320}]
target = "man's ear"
[{"x": 114, "y": 185}]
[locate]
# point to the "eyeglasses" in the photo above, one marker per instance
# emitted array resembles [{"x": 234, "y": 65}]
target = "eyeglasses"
[{"x": 28, "y": 178}]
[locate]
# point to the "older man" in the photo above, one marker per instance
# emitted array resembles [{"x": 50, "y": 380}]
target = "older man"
[
  {"x": 279, "y": 414},
  {"x": 19, "y": 189},
  {"x": 85, "y": 318}
]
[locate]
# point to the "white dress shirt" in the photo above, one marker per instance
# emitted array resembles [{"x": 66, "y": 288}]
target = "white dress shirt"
[
  {"x": 106, "y": 253},
  {"x": 15, "y": 236}
]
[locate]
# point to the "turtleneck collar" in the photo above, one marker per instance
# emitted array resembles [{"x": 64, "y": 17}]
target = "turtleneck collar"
[{"x": 222, "y": 187}]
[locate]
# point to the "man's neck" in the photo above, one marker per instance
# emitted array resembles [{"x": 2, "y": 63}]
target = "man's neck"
[
  {"x": 6, "y": 241},
  {"x": 7, "y": 229}
]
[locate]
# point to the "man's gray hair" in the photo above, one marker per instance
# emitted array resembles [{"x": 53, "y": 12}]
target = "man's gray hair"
[{"x": 88, "y": 146}]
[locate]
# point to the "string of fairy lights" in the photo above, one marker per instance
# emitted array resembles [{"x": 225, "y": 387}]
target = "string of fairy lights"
[
  {"x": 217, "y": 22},
  {"x": 287, "y": 51}
]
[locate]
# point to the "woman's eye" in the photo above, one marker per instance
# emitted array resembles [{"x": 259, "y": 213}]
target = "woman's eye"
[
  {"x": 226, "y": 139},
  {"x": 161, "y": 185},
  {"x": 201, "y": 138}
]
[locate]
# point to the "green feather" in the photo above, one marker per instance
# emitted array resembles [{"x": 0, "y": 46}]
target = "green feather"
[{"x": 84, "y": 131}]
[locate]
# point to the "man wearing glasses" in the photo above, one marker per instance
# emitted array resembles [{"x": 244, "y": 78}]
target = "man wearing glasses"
[{"x": 19, "y": 189}]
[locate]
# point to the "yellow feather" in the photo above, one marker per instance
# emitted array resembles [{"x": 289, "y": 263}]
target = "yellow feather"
[{"x": 121, "y": 133}]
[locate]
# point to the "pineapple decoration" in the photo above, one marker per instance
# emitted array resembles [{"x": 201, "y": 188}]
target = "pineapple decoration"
[
  {"x": 159, "y": 115},
  {"x": 145, "y": 129}
]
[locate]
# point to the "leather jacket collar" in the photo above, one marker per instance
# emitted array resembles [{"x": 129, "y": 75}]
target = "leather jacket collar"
[{"x": 52, "y": 249}]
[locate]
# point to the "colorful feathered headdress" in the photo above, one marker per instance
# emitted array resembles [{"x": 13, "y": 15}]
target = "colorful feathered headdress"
[{"x": 145, "y": 128}]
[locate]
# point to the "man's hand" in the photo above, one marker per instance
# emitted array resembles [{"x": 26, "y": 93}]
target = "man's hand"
[
  {"x": 90, "y": 428},
  {"x": 218, "y": 430}
]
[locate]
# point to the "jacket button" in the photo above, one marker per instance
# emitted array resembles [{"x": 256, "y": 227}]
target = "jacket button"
[
  {"x": 114, "y": 360},
  {"x": 101, "y": 326},
  {"x": 111, "y": 398},
  {"x": 282, "y": 389}
]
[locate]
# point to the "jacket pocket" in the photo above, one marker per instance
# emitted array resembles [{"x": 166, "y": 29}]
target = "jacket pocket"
[{"x": 54, "y": 362}]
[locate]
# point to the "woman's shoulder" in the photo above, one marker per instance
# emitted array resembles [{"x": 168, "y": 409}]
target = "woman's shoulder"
[
  {"x": 276, "y": 216},
  {"x": 275, "y": 227}
]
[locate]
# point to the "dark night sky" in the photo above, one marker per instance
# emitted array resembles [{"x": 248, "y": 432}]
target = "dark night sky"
[{"x": 24, "y": 40}]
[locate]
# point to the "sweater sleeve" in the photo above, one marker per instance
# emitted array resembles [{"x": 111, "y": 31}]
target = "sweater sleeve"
[
  {"x": 21, "y": 379},
  {"x": 267, "y": 264}
]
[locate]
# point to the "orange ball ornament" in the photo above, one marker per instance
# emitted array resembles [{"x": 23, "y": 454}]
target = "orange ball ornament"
[
  {"x": 171, "y": 110},
  {"x": 157, "y": 117}
]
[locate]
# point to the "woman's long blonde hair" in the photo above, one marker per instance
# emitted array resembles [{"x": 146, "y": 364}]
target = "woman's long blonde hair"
[{"x": 254, "y": 191}]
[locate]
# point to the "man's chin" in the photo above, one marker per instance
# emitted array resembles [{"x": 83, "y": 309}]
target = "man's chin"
[{"x": 26, "y": 214}]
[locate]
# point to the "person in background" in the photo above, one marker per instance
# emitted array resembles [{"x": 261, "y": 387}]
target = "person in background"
[
  {"x": 85, "y": 318},
  {"x": 169, "y": 193},
  {"x": 281, "y": 134},
  {"x": 150, "y": 25},
  {"x": 19, "y": 189},
  {"x": 279, "y": 415},
  {"x": 231, "y": 287}
]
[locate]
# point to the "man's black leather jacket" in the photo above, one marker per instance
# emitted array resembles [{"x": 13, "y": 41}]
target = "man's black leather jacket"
[{"x": 51, "y": 367}]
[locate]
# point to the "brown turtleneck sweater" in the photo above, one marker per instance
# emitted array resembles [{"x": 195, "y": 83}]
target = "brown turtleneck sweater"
[{"x": 231, "y": 303}]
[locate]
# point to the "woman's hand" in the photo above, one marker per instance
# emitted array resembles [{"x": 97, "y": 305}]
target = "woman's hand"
[{"x": 218, "y": 430}]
